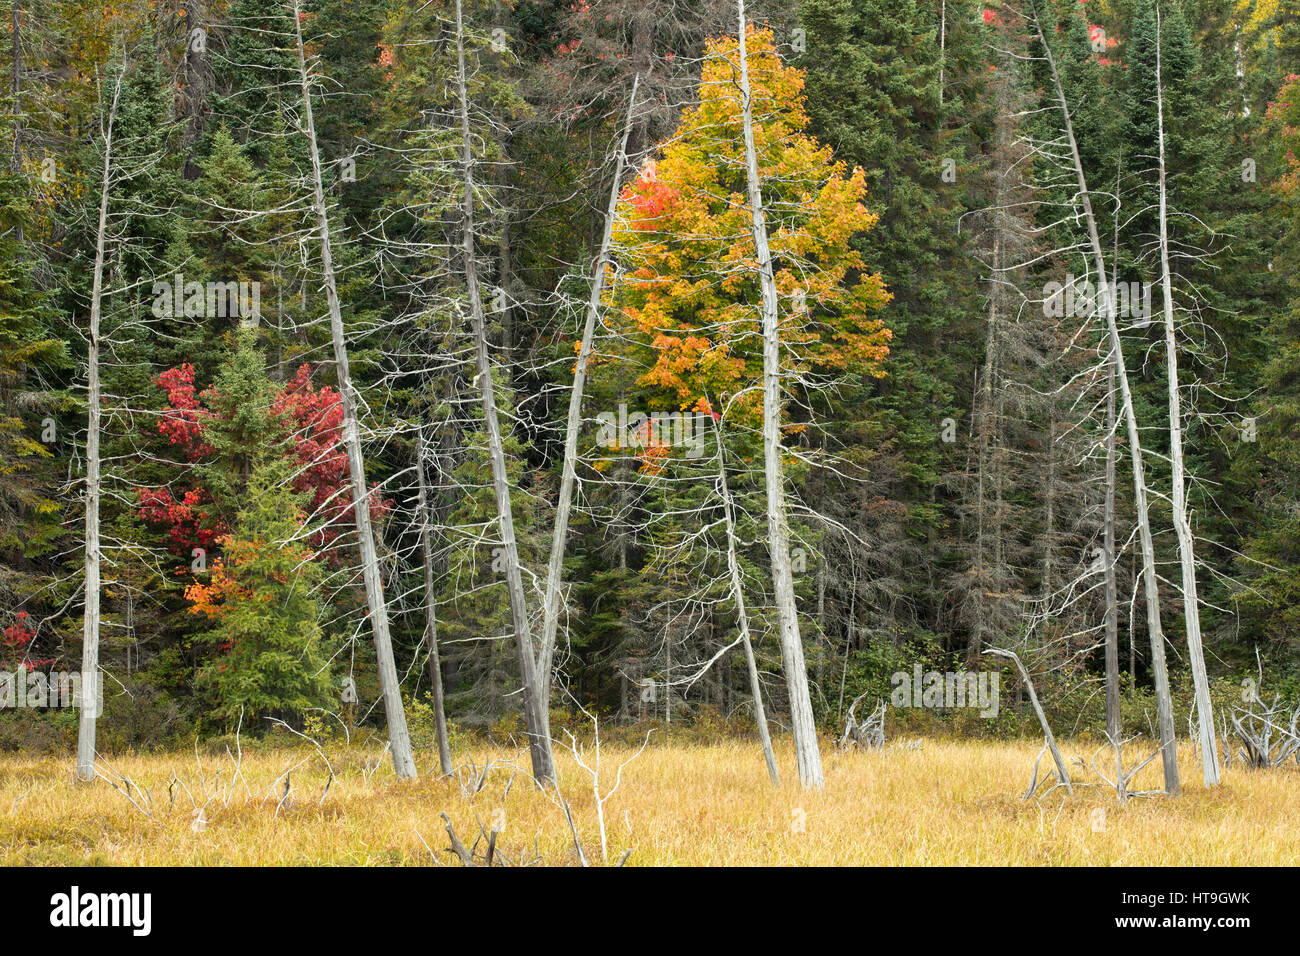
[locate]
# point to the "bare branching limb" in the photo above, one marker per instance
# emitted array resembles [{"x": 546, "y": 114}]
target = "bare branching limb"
[
  {"x": 398, "y": 738},
  {"x": 1062, "y": 774},
  {"x": 90, "y": 679}
]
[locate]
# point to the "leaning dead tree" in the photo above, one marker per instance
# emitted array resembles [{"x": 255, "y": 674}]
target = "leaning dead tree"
[
  {"x": 1182, "y": 526},
  {"x": 1114, "y": 720},
  {"x": 536, "y": 721},
  {"x": 1160, "y": 672},
  {"x": 564, "y": 501},
  {"x": 398, "y": 738},
  {"x": 802, "y": 723},
  {"x": 1049, "y": 744},
  {"x": 742, "y": 615},
  {"x": 90, "y": 695}
]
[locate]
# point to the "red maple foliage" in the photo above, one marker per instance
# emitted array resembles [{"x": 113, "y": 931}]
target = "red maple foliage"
[
  {"x": 649, "y": 196},
  {"x": 188, "y": 526},
  {"x": 15, "y": 640},
  {"x": 317, "y": 417},
  {"x": 182, "y": 420},
  {"x": 312, "y": 419}
]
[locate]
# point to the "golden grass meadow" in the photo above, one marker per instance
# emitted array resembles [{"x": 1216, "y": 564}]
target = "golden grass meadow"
[{"x": 944, "y": 802}]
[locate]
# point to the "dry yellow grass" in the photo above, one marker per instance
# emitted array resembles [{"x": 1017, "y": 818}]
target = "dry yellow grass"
[{"x": 949, "y": 802}]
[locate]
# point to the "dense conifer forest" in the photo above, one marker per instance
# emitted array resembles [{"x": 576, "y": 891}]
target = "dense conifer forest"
[{"x": 453, "y": 368}]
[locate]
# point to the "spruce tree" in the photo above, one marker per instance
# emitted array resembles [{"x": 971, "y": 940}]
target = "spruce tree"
[{"x": 269, "y": 653}]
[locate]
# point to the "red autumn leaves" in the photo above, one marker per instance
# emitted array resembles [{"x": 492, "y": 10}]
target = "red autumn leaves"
[{"x": 307, "y": 424}]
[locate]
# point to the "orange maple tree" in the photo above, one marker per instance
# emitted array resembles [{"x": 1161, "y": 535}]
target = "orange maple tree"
[{"x": 690, "y": 294}]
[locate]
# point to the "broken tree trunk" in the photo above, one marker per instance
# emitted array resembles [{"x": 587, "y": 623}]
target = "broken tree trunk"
[
  {"x": 802, "y": 723},
  {"x": 398, "y": 738},
  {"x": 865, "y": 734},
  {"x": 535, "y": 704}
]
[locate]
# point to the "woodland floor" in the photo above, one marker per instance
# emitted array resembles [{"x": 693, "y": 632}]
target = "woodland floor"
[{"x": 948, "y": 802}]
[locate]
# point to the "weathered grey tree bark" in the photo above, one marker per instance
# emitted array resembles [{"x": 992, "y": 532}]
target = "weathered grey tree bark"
[
  {"x": 431, "y": 612},
  {"x": 802, "y": 724},
  {"x": 985, "y": 416},
  {"x": 742, "y": 615},
  {"x": 1160, "y": 672},
  {"x": 1182, "y": 526},
  {"x": 536, "y": 721},
  {"x": 199, "y": 83},
  {"x": 398, "y": 737},
  {"x": 984, "y": 426},
  {"x": 1049, "y": 737},
  {"x": 1114, "y": 726},
  {"x": 564, "y": 503},
  {"x": 90, "y": 694}
]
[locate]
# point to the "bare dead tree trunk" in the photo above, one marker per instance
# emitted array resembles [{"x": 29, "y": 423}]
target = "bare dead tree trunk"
[
  {"x": 535, "y": 703},
  {"x": 198, "y": 82},
  {"x": 431, "y": 612},
  {"x": 986, "y": 425},
  {"x": 1114, "y": 727},
  {"x": 564, "y": 503},
  {"x": 984, "y": 399},
  {"x": 1160, "y": 672},
  {"x": 1183, "y": 527},
  {"x": 90, "y": 694},
  {"x": 742, "y": 616},
  {"x": 398, "y": 738},
  {"x": 802, "y": 724},
  {"x": 1062, "y": 773}
]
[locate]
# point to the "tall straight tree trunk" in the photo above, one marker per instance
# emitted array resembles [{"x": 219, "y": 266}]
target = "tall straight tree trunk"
[
  {"x": 778, "y": 533},
  {"x": 431, "y": 612},
  {"x": 535, "y": 703},
  {"x": 1114, "y": 727},
  {"x": 987, "y": 424},
  {"x": 564, "y": 504},
  {"x": 984, "y": 400},
  {"x": 1182, "y": 526},
  {"x": 90, "y": 694},
  {"x": 1164, "y": 705},
  {"x": 742, "y": 616},
  {"x": 398, "y": 738},
  {"x": 198, "y": 84}
]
